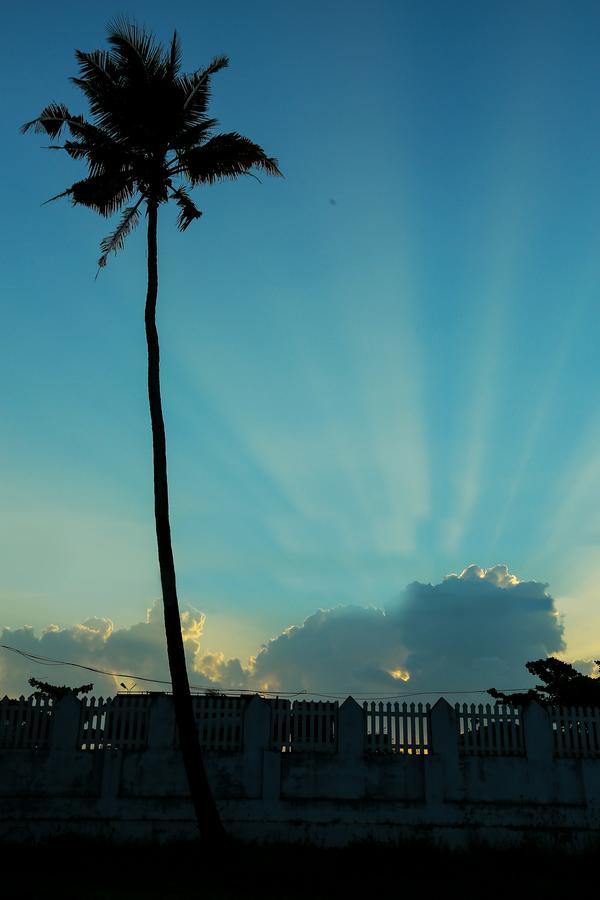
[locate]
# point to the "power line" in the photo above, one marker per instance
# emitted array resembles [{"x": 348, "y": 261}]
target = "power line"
[
  {"x": 49, "y": 661},
  {"x": 333, "y": 695}
]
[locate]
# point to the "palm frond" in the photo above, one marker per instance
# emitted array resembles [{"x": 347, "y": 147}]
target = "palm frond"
[
  {"x": 188, "y": 211},
  {"x": 96, "y": 66},
  {"x": 174, "y": 60},
  {"x": 66, "y": 193},
  {"x": 225, "y": 156},
  {"x": 56, "y": 116},
  {"x": 52, "y": 119},
  {"x": 196, "y": 86},
  {"x": 134, "y": 47},
  {"x": 75, "y": 149},
  {"x": 114, "y": 242},
  {"x": 100, "y": 80},
  {"x": 97, "y": 155},
  {"x": 104, "y": 193},
  {"x": 191, "y": 135}
]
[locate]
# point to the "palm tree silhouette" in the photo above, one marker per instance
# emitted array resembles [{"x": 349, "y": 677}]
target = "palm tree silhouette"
[{"x": 149, "y": 141}]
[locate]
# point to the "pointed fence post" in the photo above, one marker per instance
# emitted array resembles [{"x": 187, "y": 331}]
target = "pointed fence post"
[
  {"x": 444, "y": 747},
  {"x": 351, "y": 731},
  {"x": 257, "y": 731},
  {"x": 539, "y": 739},
  {"x": 539, "y": 750},
  {"x": 66, "y": 716},
  {"x": 63, "y": 743},
  {"x": 257, "y": 724},
  {"x": 161, "y": 724}
]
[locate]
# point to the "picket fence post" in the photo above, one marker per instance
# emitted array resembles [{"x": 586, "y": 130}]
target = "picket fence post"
[
  {"x": 351, "y": 731},
  {"x": 444, "y": 748},
  {"x": 257, "y": 732},
  {"x": 66, "y": 716},
  {"x": 161, "y": 723},
  {"x": 539, "y": 740}
]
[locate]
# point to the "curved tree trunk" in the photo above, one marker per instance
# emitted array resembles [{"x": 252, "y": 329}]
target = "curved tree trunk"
[{"x": 207, "y": 815}]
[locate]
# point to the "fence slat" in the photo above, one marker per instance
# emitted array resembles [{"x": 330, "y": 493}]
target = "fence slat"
[
  {"x": 576, "y": 731},
  {"x": 490, "y": 730},
  {"x": 398, "y": 729},
  {"x": 219, "y": 720},
  {"x": 25, "y": 723},
  {"x": 114, "y": 723}
]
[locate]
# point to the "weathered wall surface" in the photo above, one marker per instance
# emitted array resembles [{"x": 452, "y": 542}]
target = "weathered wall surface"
[{"x": 332, "y": 797}]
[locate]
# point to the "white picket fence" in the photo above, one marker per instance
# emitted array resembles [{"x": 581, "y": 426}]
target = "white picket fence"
[
  {"x": 490, "y": 730},
  {"x": 576, "y": 731},
  {"x": 304, "y": 725},
  {"x": 314, "y": 725},
  {"x": 122, "y": 723},
  {"x": 397, "y": 728},
  {"x": 219, "y": 720},
  {"x": 25, "y": 723},
  {"x": 114, "y": 723}
]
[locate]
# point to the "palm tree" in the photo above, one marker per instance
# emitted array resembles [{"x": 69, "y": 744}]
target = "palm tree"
[{"x": 149, "y": 140}]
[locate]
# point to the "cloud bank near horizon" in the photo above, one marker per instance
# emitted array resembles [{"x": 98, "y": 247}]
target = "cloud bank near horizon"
[{"x": 468, "y": 632}]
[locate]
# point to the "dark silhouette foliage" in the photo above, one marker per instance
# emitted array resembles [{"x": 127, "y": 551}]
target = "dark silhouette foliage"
[
  {"x": 562, "y": 685},
  {"x": 149, "y": 138},
  {"x": 58, "y": 691}
]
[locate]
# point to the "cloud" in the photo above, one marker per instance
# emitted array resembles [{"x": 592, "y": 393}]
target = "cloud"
[
  {"x": 139, "y": 650},
  {"x": 471, "y": 631},
  {"x": 587, "y": 667},
  {"x": 334, "y": 649},
  {"x": 476, "y": 629}
]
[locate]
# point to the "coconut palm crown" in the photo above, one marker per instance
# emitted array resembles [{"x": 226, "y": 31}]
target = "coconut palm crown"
[
  {"x": 149, "y": 141},
  {"x": 150, "y": 138}
]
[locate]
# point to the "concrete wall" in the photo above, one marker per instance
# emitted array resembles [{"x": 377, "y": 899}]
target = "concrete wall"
[{"x": 327, "y": 797}]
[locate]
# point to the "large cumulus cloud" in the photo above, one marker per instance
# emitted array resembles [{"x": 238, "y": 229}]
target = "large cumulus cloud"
[
  {"x": 469, "y": 632},
  {"x": 476, "y": 629}
]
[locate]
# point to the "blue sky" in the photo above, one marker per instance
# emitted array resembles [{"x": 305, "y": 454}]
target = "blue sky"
[{"x": 379, "y": 370}]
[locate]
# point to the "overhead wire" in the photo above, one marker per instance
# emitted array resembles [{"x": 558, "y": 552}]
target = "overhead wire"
[{"x": 332, "y": 695}]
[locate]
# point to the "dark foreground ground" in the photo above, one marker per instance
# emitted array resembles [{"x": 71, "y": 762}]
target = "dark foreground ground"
[{"x": 102, "y": 871}]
